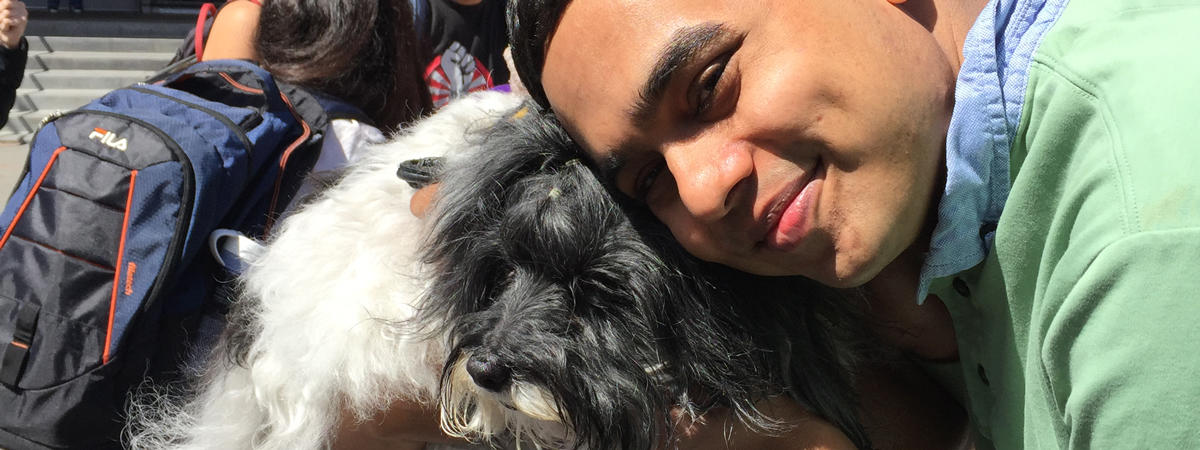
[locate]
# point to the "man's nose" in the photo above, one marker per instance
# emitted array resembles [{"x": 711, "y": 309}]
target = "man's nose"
[{"x": 707, "y": 175}]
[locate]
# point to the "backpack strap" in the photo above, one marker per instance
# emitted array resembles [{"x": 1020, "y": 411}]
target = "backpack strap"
[
  {"x": 318, "y": 108},
  {"x": 337, "y": 109},
  {"x": 203, "y": 24},
  {"x": 315, "y": 110},
  {"x": 15, "y": 352},
  {"x": 255, "y": 78},
  {"x": 306, "y": 105},
  {"x": 227, "y": 65}
]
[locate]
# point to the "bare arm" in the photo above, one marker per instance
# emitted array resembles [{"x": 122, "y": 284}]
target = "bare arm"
[
  {"x": 232, "y": 34},
  {"x": 718, "y": 430},
  {"x": 422, "y": 199},
  {"x": 411, "y": 426},
  {"x": 13, "y": 19}
]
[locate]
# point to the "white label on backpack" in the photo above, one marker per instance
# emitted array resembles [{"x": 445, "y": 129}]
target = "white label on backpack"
[{"x": 109, "y": 138}]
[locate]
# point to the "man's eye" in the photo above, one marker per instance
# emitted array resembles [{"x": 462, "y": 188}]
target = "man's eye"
[{"x": 704, "y": 91}]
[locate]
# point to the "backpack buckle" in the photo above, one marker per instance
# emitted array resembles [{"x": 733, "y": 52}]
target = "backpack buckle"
[{"x": 17, "y": 351}]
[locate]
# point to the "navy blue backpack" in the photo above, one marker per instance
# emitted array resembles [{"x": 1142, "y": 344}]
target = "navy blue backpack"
[{"x": 105, "y": 280}]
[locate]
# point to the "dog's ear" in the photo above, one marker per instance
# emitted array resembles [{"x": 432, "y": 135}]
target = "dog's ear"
[
  {"x": 494, "y": 161},
  {"x": 473, "y": 197}
]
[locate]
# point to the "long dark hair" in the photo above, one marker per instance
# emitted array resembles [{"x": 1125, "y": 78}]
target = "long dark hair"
[{"x": 365, "y": 52}]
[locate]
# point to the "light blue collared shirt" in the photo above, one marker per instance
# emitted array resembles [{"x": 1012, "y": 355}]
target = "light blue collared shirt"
[{"x": 988, "y": 98}]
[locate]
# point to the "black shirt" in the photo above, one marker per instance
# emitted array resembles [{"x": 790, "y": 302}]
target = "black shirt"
[
  {"x": 467, "y": 45},
  {"x": 12, "y": 70}
]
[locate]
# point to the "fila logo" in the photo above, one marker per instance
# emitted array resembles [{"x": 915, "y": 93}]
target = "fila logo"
[{"x": 109, "y": 138}]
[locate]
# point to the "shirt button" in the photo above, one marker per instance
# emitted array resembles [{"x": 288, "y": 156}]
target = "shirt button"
[
  {"x": 960, "y": 286},
  {"x": 982, "y": 375}
]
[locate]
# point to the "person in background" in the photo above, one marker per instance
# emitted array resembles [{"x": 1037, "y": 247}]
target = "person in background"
[
  {"x": 365, "y": 53},
  {"x": 13, "y": 51},
  {"x": 315, "y": 48},
  {"x": 233, "y": 31},
  {"x": 462, "y": 42},
  {"x": 362, "y": 52},
  {"x": 466, "y": 40}
]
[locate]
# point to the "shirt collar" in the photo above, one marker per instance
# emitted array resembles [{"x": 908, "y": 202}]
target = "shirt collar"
[{"x": 988, "y": 98}]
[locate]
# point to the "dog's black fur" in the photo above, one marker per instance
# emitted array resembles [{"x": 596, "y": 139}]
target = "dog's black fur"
[{"x": 539, "y": 268}]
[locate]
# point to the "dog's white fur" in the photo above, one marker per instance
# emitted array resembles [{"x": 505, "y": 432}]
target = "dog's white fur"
[{"x": 333, "y": 284}]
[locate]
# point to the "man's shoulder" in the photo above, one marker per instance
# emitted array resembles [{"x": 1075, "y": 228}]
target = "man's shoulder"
[
  {"x": 1131, "y": 58},
  {"x": 1129, "y": 52},
  {"x": 1111, "y": 104}
]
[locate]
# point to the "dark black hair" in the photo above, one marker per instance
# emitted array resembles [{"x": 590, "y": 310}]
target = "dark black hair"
[
  {"x": 365, "y": 52},
  {"x": 530, "y": 24}
]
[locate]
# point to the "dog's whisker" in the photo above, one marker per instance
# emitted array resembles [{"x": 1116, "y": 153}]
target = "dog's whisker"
[{"x": 535, "y": 402}]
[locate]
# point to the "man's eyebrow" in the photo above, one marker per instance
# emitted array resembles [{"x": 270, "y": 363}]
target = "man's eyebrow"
[{"x": 685, "y": 45}]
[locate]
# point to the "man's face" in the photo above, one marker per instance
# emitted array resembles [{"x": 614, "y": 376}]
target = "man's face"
[{"x": 780, "y": 137}]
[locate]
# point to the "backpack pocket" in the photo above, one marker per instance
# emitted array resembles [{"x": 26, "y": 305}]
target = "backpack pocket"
[
  {"x": 63, "y": 256},
  {"x": 68, "y": 258}
]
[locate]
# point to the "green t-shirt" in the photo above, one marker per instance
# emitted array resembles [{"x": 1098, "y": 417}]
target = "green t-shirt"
[{"x": 1081, "y": 329}]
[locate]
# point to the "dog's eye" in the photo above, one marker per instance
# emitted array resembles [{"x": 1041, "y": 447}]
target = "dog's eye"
[
  {"x": 501, "y": 280},
  {"x": 509, "y": 277}
]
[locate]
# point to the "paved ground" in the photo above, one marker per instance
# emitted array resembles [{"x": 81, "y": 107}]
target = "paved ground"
[{"x": 12, "y": 160}]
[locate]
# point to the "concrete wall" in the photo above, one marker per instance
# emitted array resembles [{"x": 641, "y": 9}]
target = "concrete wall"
[
  {"x": 92, "y": 5},
  {"x": 121, "y": 5}
]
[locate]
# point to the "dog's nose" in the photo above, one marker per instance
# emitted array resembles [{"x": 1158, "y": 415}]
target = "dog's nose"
[{"x": 488, "y": 373}]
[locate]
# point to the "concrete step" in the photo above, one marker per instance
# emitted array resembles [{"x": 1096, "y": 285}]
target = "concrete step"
[
  {"x": 84, "y": 79},
  {"x": 27, "y": 81},
  {"x": 65, "y": 99},
  {"x": 91, "y": 7},
  {"x": 22, "y": 124},
  {"x": 103, "y": 44},
  {"x": 76, "y": 60},
  {"x": 33, "y": 119},
  {"x": 10, "y": 139},
  {"x": 93, "y": 23},
  {"x": 22, "y": 100},
  {"x": 14, "y": 129}
]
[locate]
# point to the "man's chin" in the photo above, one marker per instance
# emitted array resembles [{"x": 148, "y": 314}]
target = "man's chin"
[
  {"x": 849, "y": 272},
  {"x": 839, "y": 281}
]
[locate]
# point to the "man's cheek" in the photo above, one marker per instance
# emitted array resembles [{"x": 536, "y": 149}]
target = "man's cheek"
[{"x": 701, "y": 245}]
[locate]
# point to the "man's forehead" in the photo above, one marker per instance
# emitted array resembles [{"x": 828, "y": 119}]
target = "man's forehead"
[
  {"x": 580, "y": 76},
  {"x": 598, "y": 57},
  {"x": 594, "y": 38}
]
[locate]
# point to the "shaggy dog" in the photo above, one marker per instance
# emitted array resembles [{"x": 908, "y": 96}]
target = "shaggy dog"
[
  {"x": 542, "y": 311},
  {"x": 314, "y": 331},
  {"x": 560, "y": 301}
]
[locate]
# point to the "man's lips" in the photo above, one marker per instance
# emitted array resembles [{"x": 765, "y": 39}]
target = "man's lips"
[{"x": 790, "y": 216}]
